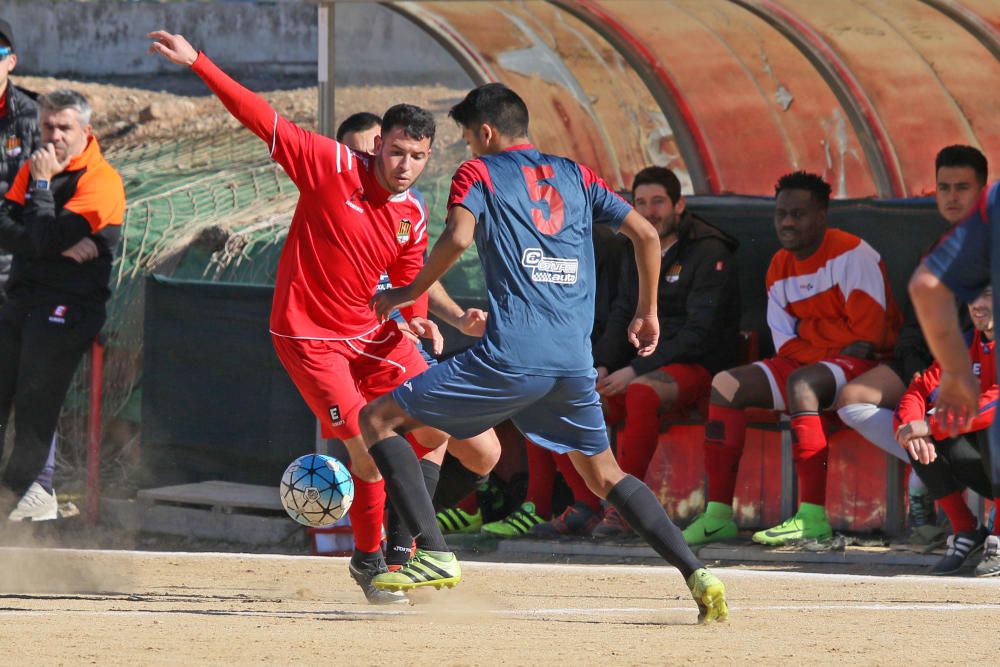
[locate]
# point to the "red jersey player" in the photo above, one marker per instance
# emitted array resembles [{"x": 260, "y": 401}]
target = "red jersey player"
[{"x": 354, "y": 220}]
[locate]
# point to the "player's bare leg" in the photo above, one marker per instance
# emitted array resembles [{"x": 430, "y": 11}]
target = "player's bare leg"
[
  {"x": 643, "y": 512},
  {"x": 382, "y": 423},
  {"x": 810, "y": 390}
]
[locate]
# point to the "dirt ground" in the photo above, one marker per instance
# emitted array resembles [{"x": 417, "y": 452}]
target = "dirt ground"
[{"x": 70, "y": 607}]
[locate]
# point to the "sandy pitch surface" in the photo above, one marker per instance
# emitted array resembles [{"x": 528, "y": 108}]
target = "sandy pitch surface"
[{"x": 76, "y": 607}]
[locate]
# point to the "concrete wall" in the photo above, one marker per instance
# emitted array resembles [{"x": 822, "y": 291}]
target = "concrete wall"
[{"x": 95, "y": 39}]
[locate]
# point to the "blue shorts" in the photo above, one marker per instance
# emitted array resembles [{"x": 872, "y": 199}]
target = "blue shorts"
[{"x": 466, "y": 395}]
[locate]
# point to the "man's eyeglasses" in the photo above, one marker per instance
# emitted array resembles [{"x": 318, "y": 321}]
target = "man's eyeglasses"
[{"x": 5, "y": 51}]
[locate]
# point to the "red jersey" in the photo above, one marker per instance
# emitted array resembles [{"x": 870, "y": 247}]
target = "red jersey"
[
  {"x": 346, "y": 230},
  {"x": 838, "y": 295},
  {"x": 923, "y": 390}
]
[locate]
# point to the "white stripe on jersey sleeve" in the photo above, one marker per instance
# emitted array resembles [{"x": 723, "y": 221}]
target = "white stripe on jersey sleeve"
[
  {"x": 858, "y": 269},
  {"x": 421, "y": 225},
  {"x": 780, "y": 321},
  {"x": 350, "y": 159},
  {"x": 339, "y": 146},
  {"x": 274, "y": 135}
]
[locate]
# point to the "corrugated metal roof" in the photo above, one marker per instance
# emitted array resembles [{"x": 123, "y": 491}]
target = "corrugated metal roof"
[{"x": 733, "y": 93}]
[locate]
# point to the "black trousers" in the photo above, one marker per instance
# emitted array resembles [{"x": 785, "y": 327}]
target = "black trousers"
[
  {"x": 40, "y": 349},
  {"x": 962, "y": 462}
]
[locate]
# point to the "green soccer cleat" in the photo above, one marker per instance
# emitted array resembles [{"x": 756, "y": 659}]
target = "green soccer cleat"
[
  {"x": 710, "y": 594},
  {"x": 713, "y": 525},
  {"x": 456, "y": 520},
  {"x": 515, "y": 524},
  {"x": 426, "y": 568},
  {"x": 809, "y": 523}
]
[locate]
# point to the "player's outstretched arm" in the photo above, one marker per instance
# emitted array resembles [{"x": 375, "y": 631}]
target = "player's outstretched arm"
[
  {"x": 958, "y": 391},
  {"x": 644, "y": 331},
  {"x": 454, "y": 240},
  {"x": 249, "y": 108}
]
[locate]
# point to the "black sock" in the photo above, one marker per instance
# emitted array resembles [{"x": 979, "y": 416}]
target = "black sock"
[
  {"x": 370, "y": 557},
  {"x": 405, "y": 485},
  {"x": 398, "y": 538},
  {"x": 644, "y": 513},
  {"x": 457, "y": 482}
]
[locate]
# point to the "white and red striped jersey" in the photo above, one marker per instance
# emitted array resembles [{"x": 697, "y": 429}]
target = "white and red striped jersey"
[
  {"x": 346, "y": 230},
  {"x": 838, "y": 295}
]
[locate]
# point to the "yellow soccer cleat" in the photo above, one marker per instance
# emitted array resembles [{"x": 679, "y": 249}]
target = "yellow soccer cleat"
[
  {"x": 426, "y": 568},
  {"x": 710, "y": 594}
]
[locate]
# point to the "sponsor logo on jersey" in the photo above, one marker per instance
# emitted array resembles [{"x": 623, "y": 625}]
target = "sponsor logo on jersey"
[
  {"x": 58, "y": 315},
  {"x": 673, "y": 273},
  {"x": 550, "y": 269},
  {"x": 335, "y": 416},
  {"x": 403, "y": 233},
  {"x": 408, "y": 385},
  {"x": 357, "y": 200}
]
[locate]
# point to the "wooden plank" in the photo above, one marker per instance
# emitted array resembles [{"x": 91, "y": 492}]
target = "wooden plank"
[{"x": 216, "y": 494}]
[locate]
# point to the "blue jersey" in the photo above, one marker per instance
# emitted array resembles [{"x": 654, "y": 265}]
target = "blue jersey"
[{"x": 534, "y": 216}]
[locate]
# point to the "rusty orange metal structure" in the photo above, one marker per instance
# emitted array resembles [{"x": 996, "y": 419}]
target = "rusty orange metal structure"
[{"x": 733, "y": 93}]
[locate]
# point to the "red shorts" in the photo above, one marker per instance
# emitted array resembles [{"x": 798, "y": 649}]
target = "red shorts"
[
  {"x": 778, "y": 369},
  {"x": 337, "y": 377},
  {"x": 693, "y": 384}
]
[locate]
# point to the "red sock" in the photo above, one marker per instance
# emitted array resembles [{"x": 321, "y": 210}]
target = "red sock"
[
  {"x": 810, "y": 451},
  {"x": 614, "y": 409},
  {"x": 725, "y": 433},
  {"x": 581, "y": 492},
  {"x": 366, "y": 512},
  {"x": 418, "y": 449},
  {"x": 961, "y": 517},
  {"x": 996, "y": 523},
  {"x": 541, "y": 478},
  {"x": 470, "y": 503},
  {"x": 642, "y": 429}
]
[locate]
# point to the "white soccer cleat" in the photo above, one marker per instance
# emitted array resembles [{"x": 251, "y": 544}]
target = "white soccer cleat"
[{"x": 37, "y": 504}]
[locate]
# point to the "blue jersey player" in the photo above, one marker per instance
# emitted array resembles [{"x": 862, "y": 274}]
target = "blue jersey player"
[
  {"x": 531, "y": 216},
  {"x": 963, "y": 264}
]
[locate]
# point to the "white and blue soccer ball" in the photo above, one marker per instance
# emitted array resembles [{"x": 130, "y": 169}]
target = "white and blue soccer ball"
[{"x": 316, "y": 490}]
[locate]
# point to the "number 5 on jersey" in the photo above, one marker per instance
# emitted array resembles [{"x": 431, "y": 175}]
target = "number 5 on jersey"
[{"x": 551, "y": 222}]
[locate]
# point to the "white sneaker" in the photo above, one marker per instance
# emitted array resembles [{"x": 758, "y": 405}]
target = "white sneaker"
[{"x": 37, "y": 504}]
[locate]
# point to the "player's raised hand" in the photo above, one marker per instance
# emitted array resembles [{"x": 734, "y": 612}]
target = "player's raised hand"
[
  {"x": 644, "y": 333},
  {"x": 386, "y": 301},
  {"x": 957, "y": 401},
  {"x": 425, "y": 328},
  {"x": 473, "y": 322},
  {"x": 174, "y": 48}
]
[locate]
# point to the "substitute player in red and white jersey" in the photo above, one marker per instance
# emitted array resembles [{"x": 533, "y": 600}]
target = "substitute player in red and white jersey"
[
  {"x": 354, "y": 220},
  {"x": 831, "y": 314}
]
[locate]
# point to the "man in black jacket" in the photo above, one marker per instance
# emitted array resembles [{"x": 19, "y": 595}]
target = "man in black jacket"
[
  {"x": 699, "y": 314},
  {"x": 61, "y": 219},
  {"x": 18, "y": 129}
]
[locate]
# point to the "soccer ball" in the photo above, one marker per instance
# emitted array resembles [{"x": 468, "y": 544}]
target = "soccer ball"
[{"x": 316, "y": 490}]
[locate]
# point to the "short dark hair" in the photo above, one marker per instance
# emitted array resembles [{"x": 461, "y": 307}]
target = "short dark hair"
[
  {"x": 803, "y": 180},
  {"x": 65, "y": 98},
  {"x": 358, "y": 122},
  {"x": 959, "y": 155},
  {"x": 416, "y": 122},
  {"x": 659, "y": 176},
  {"x": 495, "y": 104}
]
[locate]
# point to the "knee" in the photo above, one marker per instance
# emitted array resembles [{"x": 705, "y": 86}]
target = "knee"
[
  {"x": 849, "y": 395},
  {"x": 801, "y": 393},
  {"x": 725, "y": 386},
  {"x": 479, "y": 454}
]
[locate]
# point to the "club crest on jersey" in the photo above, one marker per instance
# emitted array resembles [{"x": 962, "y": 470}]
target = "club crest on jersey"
[
  {"x": 403, "y": 233},
  {"x": 13, "y": 147},
  {"x": 673, "y": 273}
]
